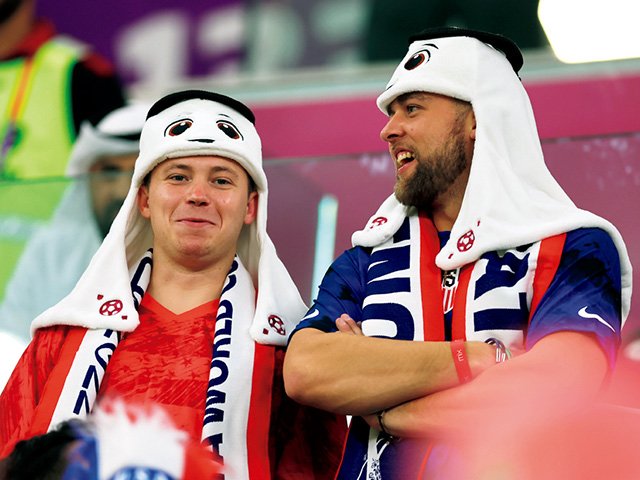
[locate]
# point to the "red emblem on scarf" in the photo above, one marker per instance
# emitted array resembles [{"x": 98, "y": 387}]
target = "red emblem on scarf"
[
  {"x": 110, "y": 308},
  {"x": 465, "y": 242},
  {"x": 376, "y": 222},
  {"x": 277, "y": 325}
]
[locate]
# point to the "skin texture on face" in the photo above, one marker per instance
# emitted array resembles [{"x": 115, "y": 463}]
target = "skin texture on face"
[
  {"x": 197, "y": 207},
  {"x": 431, "y": 142},
  {"x": 109, "y": 183}
]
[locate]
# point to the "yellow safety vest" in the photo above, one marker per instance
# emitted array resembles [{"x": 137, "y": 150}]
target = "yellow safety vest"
[
  {"x": 31, "y": 169},
  {"x": 36, "y": 94}
]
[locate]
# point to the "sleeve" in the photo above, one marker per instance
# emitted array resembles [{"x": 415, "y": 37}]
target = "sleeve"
[
  {"x": 342, "y": 290},
  {"x": 585, "y": 293},
  {"x": 95, "y": 90},
  {"x": 23, "y": 390}
]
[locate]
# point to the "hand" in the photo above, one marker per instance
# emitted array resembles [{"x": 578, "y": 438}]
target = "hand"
[
  {"x": 372, "y": 420},
  {"x": 346, "y": 324}
]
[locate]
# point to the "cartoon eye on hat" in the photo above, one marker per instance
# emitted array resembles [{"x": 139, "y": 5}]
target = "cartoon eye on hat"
[
  {"x": 229, "y": 129},
  {"x": 178, "y": 127},
  {"x": 420, "y": 57}
]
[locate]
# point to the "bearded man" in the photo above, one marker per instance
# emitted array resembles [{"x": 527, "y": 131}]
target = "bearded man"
[{"x": 477, "y": 255}]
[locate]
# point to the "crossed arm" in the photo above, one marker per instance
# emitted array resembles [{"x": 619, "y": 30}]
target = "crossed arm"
[{"x": 348, "y": 373}]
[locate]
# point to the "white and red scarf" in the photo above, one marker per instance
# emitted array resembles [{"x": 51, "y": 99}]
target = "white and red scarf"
[
  {"x": 234, "y": 422},
  {"x": 428, "y": 298}
]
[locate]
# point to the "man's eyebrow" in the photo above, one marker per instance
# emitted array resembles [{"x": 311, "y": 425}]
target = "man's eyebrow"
[
  {"x": 179, "y": 166},
  {"x": 223, "y": 115},
  {"x": 223, "y": 168},
  {"x": 430, "y": 45},
  {"x": 406, "y": 97}
]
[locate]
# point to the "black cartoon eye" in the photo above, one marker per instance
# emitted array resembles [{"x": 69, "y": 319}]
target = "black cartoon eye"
[
  {"x": 178, "y": 127},
  {"x": 417, "y": 59},
  {"x": 229, "y": 129}
]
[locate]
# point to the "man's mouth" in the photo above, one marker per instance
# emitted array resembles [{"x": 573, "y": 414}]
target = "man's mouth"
[
  {"x": 403, "y": 158},
  {"x": 195, "y": 221}
]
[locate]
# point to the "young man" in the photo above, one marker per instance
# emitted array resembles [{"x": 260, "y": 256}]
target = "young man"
[
  {"x": 186, "y": 305},
  {"x": 477, "y": 253}
]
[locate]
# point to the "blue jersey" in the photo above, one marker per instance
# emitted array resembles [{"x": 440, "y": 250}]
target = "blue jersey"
[{"x": 570, "y": 282}]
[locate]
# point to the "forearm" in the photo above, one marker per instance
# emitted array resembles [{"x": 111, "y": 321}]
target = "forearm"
[
  {"x": 561, "y": 372},
  {"x": 358, "y": 375}
]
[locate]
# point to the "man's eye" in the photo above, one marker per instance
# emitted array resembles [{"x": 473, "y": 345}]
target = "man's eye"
[
  {"x": 221, "y": 181},
  {"x": 417, "y": 59},
  {"x": 178, "y": 177},
  {"x": 178, "y": 127},
  {"x": 229, "y": 129}
]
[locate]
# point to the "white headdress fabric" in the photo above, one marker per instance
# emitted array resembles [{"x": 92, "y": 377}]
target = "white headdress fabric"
[
  {"x": 110, "y": 270},
  {"x": 115, "y": 134},
  {"x": 511, "y": 198}
]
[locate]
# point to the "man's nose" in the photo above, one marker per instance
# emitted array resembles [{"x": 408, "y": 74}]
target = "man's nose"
[
  {"x": 392, "y": 129},
  {"x": 198, "y": 193}
]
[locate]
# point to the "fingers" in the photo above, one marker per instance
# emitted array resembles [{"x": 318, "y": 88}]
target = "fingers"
[{"x": 346, "y": 324}]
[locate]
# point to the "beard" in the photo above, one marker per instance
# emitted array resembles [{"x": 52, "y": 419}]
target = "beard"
[{"x": 434, "y": 174}]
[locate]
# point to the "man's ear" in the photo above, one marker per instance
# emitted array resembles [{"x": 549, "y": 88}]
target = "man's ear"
[
  {"x": 252, "y": 208},
  {"x": 472, "y": 133},
  {"x": 142, "y": 201}
]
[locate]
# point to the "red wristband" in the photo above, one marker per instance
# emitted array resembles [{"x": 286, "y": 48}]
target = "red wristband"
[{"x": 460, "y": 361}]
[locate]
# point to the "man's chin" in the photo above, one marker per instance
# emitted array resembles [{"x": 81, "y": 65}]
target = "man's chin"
[
  {"x": 401, "y": 194},
  {"x": 412, "y": 198}
]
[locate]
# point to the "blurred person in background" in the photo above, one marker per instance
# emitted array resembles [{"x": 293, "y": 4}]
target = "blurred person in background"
[
  {"x": 101, "y": 164},
  {"x": 185, "y": 304},
  {"x": 50, "y": 84},
  {"x": 479, "y": 253}
]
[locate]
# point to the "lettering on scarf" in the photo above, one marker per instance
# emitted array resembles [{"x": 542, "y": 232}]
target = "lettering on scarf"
[
  {"x": 141, "y": 277},
  {"x": 503, "y": 286},
  {"x": 95, "y": 372},
  {"x": 388, "y": 275},
  {"x": 214, "y": 413}
]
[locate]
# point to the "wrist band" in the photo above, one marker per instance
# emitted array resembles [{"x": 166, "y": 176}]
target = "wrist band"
[
  {"x": 460, "y": 360},
  {"x": 380, "y": 414},
  {"x": 502, "y": 352}
]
